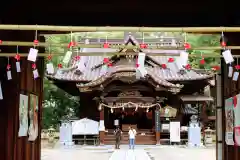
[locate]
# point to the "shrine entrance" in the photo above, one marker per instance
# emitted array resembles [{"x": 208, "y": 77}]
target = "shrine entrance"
[{"x": 141, "y": 118}]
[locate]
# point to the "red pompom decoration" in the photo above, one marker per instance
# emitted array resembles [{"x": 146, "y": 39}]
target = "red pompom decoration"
[
  {"x": 49, "y": 57},
  {"x": 143, "y": 46},
  {"x": 187, "y": 46},
  {"x": 216, "y": 68},
  {"x": 137, "y": 65},
  {"x": 8, "y": 67},
  {"x": 164, "y": 66},
  {"x": 188, "y": 67},
  {"x": 109, "y": 65},
  {"x": 72, "y": 44},
  {"x": 106, "y": 60},
  {"x": 105, "y": 45},
  {"x": 33, "y": 66},
  {"x": 35, "y": 42},
  {"x": 202, "y": 61},
  {"x": 59, "y": 65},
  {"x": 77, "y": 58},
  {"x": 17, "y": 57},
  {"x": 170, "y": 60},
  {"x": 223, "y": 44},
  {"x": 237, "y": 67}
]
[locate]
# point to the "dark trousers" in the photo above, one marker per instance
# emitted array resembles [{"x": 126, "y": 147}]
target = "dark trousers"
[{"x": 117, "y": 143}]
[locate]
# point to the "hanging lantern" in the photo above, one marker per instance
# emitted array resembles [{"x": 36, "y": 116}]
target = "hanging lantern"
[
  {"x": 123, "y": 108},
  {"x": 111, "y": 110}
]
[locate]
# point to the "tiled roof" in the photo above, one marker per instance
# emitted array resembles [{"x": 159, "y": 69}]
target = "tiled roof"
[
  {"x": 93, "y": 75},
  {"x": 124, "y": 68},
  {"x": 90, "y": 74}
]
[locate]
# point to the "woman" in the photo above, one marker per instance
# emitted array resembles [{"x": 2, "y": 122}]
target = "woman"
[{"x": 132, "y": 134}]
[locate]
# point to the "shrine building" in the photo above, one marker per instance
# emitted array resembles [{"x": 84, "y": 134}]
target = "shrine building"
[{"x": 112, "y": 87}]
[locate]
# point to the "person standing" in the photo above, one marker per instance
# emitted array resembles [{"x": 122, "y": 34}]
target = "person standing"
[
  {"x": 132, "y": 134},
  {"x": 118, "y": 134}
]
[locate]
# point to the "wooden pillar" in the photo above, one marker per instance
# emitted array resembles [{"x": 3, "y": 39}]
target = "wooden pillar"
[
  {"x": 157, "y": 125},
  {"x": 101, "y": 127},
  {"x": 229, "y": 88},
  {"x": 14, "y": 147}
]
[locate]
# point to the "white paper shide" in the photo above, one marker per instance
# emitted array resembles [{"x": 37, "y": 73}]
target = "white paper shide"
[{"x": 32, "y": 56}]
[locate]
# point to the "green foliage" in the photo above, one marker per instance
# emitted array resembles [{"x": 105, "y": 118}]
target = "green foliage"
[
  {"x": 203, "y": 40},
  {"x": 58, "y": 104}
]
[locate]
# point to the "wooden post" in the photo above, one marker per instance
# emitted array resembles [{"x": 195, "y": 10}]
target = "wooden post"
[{"x": 102, "y": 127}]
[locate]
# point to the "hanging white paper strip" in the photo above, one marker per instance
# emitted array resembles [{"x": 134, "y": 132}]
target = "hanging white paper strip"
[
  {"x": 1, "y": 94},
  {"x": 230, "y": 71},
  {"x": 227, "y": 55},
  {"x": 183, "y": 60},
  {"x": 67, "y": 57},
  {"x": 235, "y": 76},
  {"x": 142, "y": 71},
  {"x": 9, "y": 75},
  {"x": 141, "y": 59},
  {"x": 50, "y": 68},
  {"x": 35, "y": 74},
  {"x": 32, "y": 56},
  {"x": 18, "y": 67},
  {"x": 138, "y": 74},
  {"x": 81, "y": 65},
  {"x": 104, "y": 69}
]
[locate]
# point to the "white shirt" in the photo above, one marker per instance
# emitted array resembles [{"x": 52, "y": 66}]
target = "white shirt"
[{"x": 132, "y": 134}]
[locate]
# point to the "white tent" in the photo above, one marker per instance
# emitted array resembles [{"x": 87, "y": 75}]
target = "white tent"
[{"x": 85, "y": 126}]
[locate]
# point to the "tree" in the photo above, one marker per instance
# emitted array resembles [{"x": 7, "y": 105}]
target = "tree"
[
  {"x": 57, "y": 104},
  {"x": 203, "y": 40}
]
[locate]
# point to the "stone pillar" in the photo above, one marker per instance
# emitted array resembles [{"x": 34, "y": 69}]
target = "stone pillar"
[
  {"x": 157, "y": 125},
  {"x": 101, "y": 126}
]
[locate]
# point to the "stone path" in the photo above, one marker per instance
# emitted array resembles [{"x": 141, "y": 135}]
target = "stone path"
[{"x": 136, "y": 154}]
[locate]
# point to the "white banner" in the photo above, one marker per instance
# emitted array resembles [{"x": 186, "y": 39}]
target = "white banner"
[
  {"x": 175, "y": 132},
  {"x": 23, "y": 115}
]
